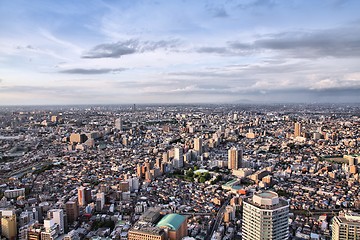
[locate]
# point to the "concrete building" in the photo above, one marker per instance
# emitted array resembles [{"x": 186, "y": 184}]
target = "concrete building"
[
  {"x": 57, "y": 215},
  {"x": 198, "y": 145},
  {"x": 72, "y": 211},
  {"x": 346, "y": 226},
  {"x": 8, "y": 224},
  {"x": 297, "y": 129},
  {"x": 178, "y": 160},
  {"x": 119, "y": 124},
  {"x": 265, "y": 217},
  {"x": 81, "y": 196},
  {"x": 234, "y": 158}
]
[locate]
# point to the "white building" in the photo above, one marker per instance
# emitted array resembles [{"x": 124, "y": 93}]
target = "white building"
[
  {"x": 265, "y": 216},
  {"x": 57, "y": 215},
  {"x": 178, "y": 160}
]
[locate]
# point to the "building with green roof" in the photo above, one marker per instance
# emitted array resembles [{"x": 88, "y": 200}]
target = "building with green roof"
[{"x": 175, "y": 225}]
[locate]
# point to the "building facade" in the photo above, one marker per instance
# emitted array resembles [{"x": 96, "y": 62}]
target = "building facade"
[
  {"x": 234, "y": 158},
  {"x": 346, "y": 226},
  {"x": 265, "y": 217}
]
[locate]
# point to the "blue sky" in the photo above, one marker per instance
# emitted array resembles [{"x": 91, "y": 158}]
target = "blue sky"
[{"x": 100, "y": 52}]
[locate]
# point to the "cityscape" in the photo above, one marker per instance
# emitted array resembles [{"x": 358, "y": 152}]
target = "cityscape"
[
  {"x": 179, "y": 120},
  {"x": 180, "y": 172}
]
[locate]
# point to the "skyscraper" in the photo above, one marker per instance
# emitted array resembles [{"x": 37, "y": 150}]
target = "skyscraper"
[
  {"x": 178, "y": 161},
  {"x": 198, "y": 145},
  {"x": 57, "y": 215},
  {"x": 297, "y": 129},
  {"x": 265, "y": 217},
  {"x": 81, "y": 196},
  {"x": 72, "y": 211},
  {"x": 234, "y": 158},
  {"x": 119, "y": 124}
]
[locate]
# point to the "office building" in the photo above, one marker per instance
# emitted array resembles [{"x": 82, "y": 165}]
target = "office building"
[
  {"x": 198, "y": 145},
  {"x": 265, "y": 217},
  {"x": 81, "y": 196},
  {"x": 234, "y": 158},
  {"x": 178, "y": 160},
  {"x": 72, "y": 211},
  {"x": 297, "y": 129},
  {"x": 78, "y": 138},
  {"x": 346, "y": 226},
  {"x": 57, "y": 215},
  {"x": 119, "y": 124},
  {"x": 8, "y": 224}
]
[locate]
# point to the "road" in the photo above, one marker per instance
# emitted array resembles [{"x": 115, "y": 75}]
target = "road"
[{"x": 218, "y": 219}]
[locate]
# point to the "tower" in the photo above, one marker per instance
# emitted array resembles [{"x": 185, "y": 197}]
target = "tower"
[
  {"x": 297, "y": 129},
  {"x": 198, "y": 145},
  {"x": 57, "y": 215},
  {"x": 265, "y": 217},
  {"x": 178, "y": 157},
  {"x": 81, "y": 196},
  {"x": 72, "y": 211},
  {"x": 234, "y": 158},
  {"x": 119, "y": 124}
]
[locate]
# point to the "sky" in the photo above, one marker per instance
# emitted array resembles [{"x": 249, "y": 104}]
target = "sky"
[{"x": 179, "y": 51}]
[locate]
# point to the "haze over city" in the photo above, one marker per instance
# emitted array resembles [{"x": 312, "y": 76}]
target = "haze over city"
[{"x": 115, "y": 52}]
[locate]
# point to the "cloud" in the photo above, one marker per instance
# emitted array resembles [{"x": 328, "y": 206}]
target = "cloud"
[
  {"x": 338, "y": 42},
  {"x": 217, "y": 11},
  {"x": 92, "y": 71},
  {"x": 257, "y": 3},
  {"x": 219, "y": 50},
  {"x": 131, "y": 46}
]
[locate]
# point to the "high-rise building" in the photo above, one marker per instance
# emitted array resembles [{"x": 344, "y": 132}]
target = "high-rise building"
[
  {"x": 119, "y": 124},
  {"x": 234, "y": 158},
  {"x": 81, "y": 196},
  {"x": 346, "y": 226},
  {"x": 72, "y": 211},
  {"x": 100, "y": 199},
  {"x": 198, "y": 145},
  {"x": 178, "y": 160},
  {"x": 8, "y": 224},
  {"x": 265, "y": 217},
  {"x": 297, "y": 129},
  {"x": 57, "y": 215}
]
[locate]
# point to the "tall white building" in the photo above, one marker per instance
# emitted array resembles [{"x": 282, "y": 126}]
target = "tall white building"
[
  {"x": 346, "y": 226},
  {"x": 265, "y": 217},
  {"x": 178, "y": 160},
  {"x": 57, "y": 215}
]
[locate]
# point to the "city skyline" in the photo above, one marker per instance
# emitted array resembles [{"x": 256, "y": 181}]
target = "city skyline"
[{"x": 105, "y": 52}]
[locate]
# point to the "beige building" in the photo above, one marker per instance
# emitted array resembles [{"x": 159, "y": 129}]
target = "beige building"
[
  {"x": 8, "y": 226},
  {"x": 234, "y": 158},
  {"x": 198, "y": 145},
  {"x": 346, "y": 226},
  {"x": 297, "y": 129}
]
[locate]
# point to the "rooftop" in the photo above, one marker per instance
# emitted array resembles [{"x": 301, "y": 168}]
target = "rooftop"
[{"x": 172, "y": 221}]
